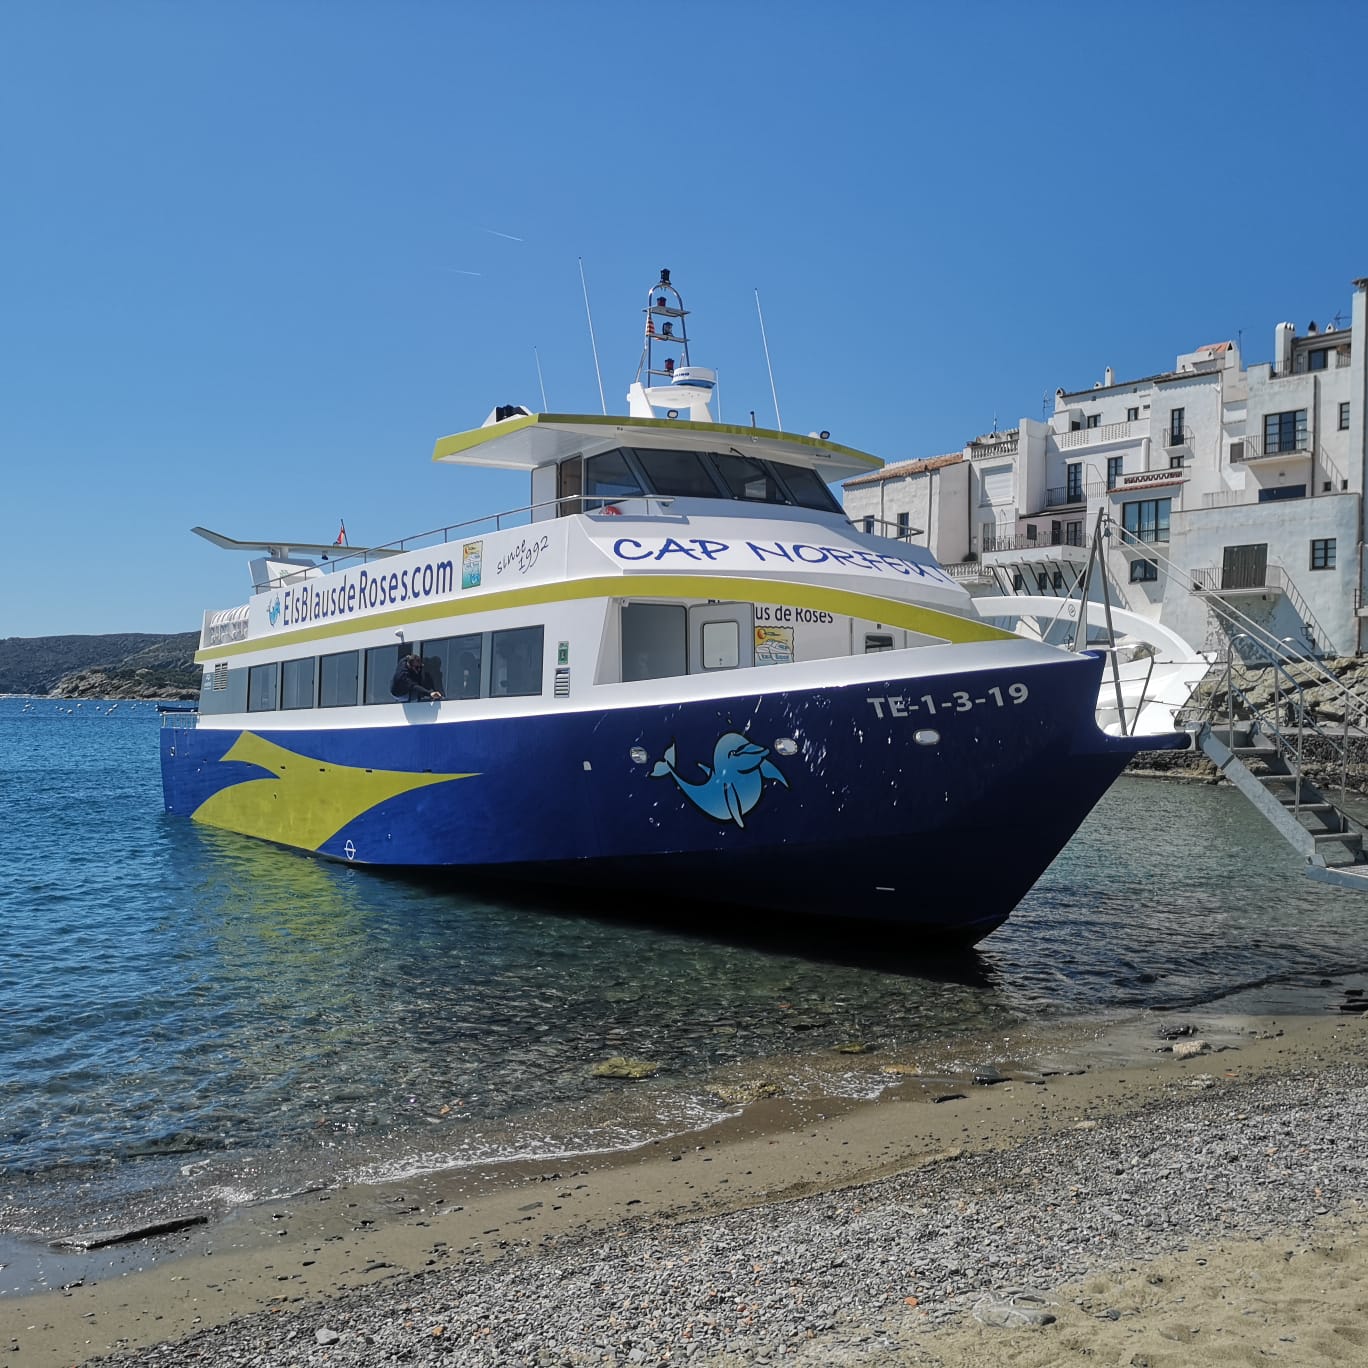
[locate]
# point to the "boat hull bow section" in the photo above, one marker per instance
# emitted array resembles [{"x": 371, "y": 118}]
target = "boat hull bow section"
[{"x": 928, "y": 802}]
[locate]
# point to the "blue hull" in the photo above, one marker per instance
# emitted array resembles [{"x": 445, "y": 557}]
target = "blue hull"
[{"x": 862, "y": 821}]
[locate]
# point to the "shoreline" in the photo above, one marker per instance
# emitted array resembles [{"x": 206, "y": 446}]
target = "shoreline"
[{"x": 302, "y": 1264}]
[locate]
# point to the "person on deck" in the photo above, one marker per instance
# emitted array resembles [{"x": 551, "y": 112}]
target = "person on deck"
[{"x": 408, "y": 684}]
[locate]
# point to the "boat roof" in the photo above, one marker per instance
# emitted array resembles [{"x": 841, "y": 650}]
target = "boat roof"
[{"x": 530, "y": 440}]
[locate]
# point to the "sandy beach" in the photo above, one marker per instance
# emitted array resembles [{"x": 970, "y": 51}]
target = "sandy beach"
[{"x": 1114, "y": 1196}]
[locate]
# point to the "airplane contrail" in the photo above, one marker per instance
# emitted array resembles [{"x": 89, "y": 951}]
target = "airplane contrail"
[
  {"x": 456, "y": 270},
  {"x": 509, "y": 236}
]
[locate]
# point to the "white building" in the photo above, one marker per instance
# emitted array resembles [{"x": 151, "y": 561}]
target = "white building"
[{"x": 1220, "y": 483}]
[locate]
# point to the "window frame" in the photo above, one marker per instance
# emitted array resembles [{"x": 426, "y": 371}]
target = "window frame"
[
  {"x": 269, "y": 669},
  {"x": 324, "y": 682},
  {"x": 1323, "y": 550}
]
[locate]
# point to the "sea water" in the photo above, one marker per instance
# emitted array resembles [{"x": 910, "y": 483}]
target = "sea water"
[{"x": 189, "y": 1017}]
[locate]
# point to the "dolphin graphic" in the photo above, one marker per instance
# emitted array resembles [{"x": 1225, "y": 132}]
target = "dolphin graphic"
[{"x": 735, "y": 779}]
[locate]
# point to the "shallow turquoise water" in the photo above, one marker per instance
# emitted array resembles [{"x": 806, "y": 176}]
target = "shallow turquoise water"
[{"x": 189, "y": 1011}]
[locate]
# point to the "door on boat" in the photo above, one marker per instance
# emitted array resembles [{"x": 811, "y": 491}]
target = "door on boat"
[{"x": 721, "y": 637}]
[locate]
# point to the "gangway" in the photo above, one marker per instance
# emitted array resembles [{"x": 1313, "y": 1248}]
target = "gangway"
[{"x": 1257, "y": 727}]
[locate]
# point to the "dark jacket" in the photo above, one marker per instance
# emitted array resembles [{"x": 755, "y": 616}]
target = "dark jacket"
[{"x": 408, "y": 685}]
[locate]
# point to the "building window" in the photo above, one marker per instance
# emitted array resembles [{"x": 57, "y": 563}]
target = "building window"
[
  {"x": 1176, "y": 461},
  {"x": 1344, "y": 416},
  {"x": 1144, "y": 571},
  {"x": 1073, "y": 534},
  {"x": 1114, "y": 464},
  {"x": 1276, "y": 493},
  {"x": 1146, "y": 520},
  {"x": 1284, "y": 431},
  {"x": 1318, "y": 359},
  {"x": 1323, "y": 553},
  {"x": 1075, "y": 425},
  {"x": 1094, "y": 420},
  {"x": 1177, "y": 431},
  {"x": 1073, "y": 479},
  {"x": 904, "y": 526},
  {"x": 1132, "y": 415},
  {"x": 868, "y": 526}
]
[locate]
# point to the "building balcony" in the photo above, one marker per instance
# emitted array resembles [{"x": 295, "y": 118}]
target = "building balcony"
[
  {"x": 1063, "y": 546},
  {"x": 1222, "y": 583},
  {"x": 1292, "y": 446},
  {"x": 971, "y": 571},
  {"x": 1062, "y": 496},
  {"x": 1104, "y": 432}
]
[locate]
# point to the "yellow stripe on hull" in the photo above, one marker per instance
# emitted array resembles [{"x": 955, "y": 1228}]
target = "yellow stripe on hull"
[{"x": 305, "y": 801}]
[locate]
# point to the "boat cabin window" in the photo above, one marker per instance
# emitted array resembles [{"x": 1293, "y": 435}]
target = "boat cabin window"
[
  {"x": 452, "y": 665},
  {"x": 297, "y": 689},
  {"x": 877, "y": 641},
  {"x": 748, "y": 478},
  {"x": 654, "y": 641},
  {"x": 515, "y": 662},
  {"x": 263, "y": 687},
  {"x": 381, "y": 663},
  {"x": 339, "y": 679},
  {"x": 721, "y": 645}
]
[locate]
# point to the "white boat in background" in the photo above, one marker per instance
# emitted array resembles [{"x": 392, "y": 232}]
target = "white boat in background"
[{"x": 677, "y": 676}]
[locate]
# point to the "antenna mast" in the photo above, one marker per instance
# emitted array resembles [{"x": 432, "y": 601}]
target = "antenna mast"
[
  {"x": 779, "y": 422},
  {"x": 603, "y": 403},
  {"x": 546, "y": 408}
]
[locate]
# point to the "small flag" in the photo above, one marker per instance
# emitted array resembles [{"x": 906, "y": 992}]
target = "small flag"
[{"x": 341, "y": 536}]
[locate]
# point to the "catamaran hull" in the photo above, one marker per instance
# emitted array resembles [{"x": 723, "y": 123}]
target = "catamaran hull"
[{"x": 932, "y": 803}]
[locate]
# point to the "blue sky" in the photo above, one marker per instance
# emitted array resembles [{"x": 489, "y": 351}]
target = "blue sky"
[{"x": 257, "y": 257}]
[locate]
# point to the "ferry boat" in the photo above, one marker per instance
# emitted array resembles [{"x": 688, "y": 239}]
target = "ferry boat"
[{"x": 679, "y": 672}]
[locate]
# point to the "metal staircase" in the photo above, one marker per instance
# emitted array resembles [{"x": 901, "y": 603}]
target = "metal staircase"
[{"x": 1253, "y": 720}]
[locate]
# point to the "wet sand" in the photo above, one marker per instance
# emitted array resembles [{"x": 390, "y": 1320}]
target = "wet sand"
[{"x": 1227, "y": 1301}]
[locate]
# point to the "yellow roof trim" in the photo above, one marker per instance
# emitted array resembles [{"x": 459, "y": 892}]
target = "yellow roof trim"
[{"x": 447, "y": 447}]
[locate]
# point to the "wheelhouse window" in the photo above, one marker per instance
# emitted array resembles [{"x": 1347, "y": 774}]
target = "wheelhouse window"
[
  {"x": 339, "y": 680},
  {"x": 1285, "y": 431},
  {"x": 609, "y": 476},
  {"x": 1146, "y": 520},
  {"x": 263, "y": 687},
  {"x": 451, "y": 665},
  {"x": 748, "y": 478},
  {"x": 808, "y": 488},
  {"x": 381, "y": 663},
  {"x": 677, "y": 472},
  {"x": 515, "y": 662},
  {"x": 297, "y": 684}
]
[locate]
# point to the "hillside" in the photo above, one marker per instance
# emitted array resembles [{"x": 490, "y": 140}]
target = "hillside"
[{"x": 115, "y": 665}]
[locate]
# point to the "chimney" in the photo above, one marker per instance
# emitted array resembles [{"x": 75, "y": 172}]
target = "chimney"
[
  {"x": 1282, "y": 348},
  {"x": 1109, "y": 378}
]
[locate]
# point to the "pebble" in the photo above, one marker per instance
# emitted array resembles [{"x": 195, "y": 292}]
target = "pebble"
[{"x": 854, "y": 1276}]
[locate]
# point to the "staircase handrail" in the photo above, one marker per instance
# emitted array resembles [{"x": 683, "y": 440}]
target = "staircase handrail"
[{"x": 1266, "y": 718}]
